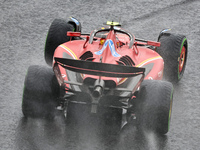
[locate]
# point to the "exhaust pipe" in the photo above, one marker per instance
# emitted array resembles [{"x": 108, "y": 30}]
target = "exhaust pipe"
[{"x": 98, "y": 88}]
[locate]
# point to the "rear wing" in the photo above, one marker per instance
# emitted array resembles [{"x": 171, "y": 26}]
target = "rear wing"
[{"x": 99, "y": 69}]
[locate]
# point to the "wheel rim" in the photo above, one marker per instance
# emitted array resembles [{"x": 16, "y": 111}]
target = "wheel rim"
[{"x": 182, "y": 59}]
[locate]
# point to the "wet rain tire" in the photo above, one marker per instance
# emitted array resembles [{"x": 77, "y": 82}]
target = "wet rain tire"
[
  {"x": 40, "y": 92},
  {"x": 57, "y": 35},
  {"x": 154, "y": 110},
  {"x": 173, "y": 49}
]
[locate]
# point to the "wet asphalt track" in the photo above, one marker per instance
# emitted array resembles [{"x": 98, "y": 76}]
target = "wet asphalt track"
[{"x": 23, "y": 28}]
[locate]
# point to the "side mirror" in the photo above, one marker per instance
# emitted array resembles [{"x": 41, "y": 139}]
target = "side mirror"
[{"x": 74, "y": 34}]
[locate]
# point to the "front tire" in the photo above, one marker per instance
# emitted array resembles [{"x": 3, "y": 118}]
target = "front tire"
[
  {"x": 57, "y": 35},
  {"x": 155, "y": 106},
  {"x": 40, "y": 93},
  {"x": 174, "y": 50}
]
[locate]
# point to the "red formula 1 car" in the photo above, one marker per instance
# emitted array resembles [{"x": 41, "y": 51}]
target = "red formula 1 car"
[{"x": 108, "y": 74}]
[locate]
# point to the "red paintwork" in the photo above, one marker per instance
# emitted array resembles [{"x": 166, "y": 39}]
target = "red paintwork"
[
  {"x": 153, "y": 43},
  {"x": 182, "y": 59},
  {"x": 76, "y": 34},
  {"x": 140, "y": 55}
]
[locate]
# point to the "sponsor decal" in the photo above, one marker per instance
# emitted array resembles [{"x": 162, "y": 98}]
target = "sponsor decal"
[
  {"x": 63, "y": 75},
  {"x": 111, "y": 47},
  {"x": 160, "y": 74},
  {"x": 150, "y": 78}
]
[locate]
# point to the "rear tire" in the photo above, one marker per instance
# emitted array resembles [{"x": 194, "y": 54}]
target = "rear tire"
[
  {"x": 155, "y": 105},
  {"x": 57, "y": 35},
  {"x": 40, "y": 92},
  {"x": 174, "y": 50}
]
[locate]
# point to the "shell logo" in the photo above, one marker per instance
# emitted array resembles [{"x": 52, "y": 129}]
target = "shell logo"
[
  {"x": 63, "y": 75},
  {"x": 150, "y": 78}
]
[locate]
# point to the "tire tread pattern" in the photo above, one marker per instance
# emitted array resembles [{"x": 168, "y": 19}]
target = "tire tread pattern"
[
  {"x": 39, "y": 100},
  {"x": 155, "y": 100},
  {"x": 170, "y": 52},
  {"x": 57, "y": 35}
]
